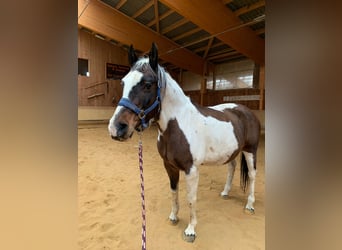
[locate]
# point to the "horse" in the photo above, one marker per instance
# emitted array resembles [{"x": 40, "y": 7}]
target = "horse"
[{"x": 189, "y": 135}]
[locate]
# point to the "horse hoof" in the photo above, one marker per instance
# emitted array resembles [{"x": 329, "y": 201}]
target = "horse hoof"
[
  {"x": 249, "y": 210},
  {"x": 225, "y": 196},
  {"x": 173, "y": 222},
  {"x": 189, "y": 238}
]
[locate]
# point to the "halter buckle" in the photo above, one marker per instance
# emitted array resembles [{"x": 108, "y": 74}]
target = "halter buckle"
[{"x": 142, "y": 115}]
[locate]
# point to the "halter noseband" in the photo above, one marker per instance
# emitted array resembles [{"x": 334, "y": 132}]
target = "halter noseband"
[{"x": 125, "y": 102}]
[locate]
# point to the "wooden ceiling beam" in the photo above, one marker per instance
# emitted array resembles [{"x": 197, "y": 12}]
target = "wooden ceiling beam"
[
  {"x": 221, "y": 52},
  {"x": 208, "y": 47},
  {"x": 174, "y": 26},
  {"x": 110, "y": 22},
  {"x": 156, "y": 15},
  {"x": 212, "y": 46},
  {"x": 229, "y": 59},
  {"x": 185, "y": 34},
  {"x": 120, "y": 3},
  {"x": 226, "y": 1},
  {"x": 249, "y": 8},
  {"x": 214, "y": 17},
  {"x": 260, "y": 31},
  {"x": 161, "y": 17},
  {"x": 143, "y": 9},
  {"x": 223, "y": 55}
]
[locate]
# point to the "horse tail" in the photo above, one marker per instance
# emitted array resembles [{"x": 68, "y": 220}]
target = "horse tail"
[{"x": 244, "y": 173}]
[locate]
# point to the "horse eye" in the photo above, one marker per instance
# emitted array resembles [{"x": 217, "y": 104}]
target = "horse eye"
[{"x": 148, "y": 85}]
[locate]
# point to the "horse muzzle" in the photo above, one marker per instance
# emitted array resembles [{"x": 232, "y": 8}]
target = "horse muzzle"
[{"x": 120, "y": 131}]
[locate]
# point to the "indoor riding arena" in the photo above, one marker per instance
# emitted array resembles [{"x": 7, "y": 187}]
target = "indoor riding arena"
[{"x": 215, "y": 51}]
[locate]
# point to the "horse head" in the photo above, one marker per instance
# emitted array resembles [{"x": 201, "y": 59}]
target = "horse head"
[{"x": 140, "y": 101}]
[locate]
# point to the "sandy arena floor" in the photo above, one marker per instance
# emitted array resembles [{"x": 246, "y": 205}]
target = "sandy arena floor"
[{"x": 110, "y": 206}]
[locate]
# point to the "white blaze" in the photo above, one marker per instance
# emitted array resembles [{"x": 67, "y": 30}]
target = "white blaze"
[{"x": 129, "y": 81}]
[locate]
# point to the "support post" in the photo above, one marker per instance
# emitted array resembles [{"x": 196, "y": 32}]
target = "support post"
[
  {"x": 204, "y": 82},
  {"x": 262, "y": 87},
  {"x": 214, "y": 77}
]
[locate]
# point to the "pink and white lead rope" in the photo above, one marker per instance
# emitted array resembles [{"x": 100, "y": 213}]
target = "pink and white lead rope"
[{"x": 143, "y": 213}]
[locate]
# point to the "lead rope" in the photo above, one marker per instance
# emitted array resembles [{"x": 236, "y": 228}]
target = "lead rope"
[{"x": 143, "y": 212}]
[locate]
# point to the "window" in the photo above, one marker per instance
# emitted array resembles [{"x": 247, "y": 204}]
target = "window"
[
  {"x": 83, "y": 67},
  {"x": 233, "y": 75}
]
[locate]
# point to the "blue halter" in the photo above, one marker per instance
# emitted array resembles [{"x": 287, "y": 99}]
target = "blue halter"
[{"x": 125, "y": 102}]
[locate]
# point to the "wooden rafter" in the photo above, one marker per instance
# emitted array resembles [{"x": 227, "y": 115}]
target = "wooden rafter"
[
  {"x": 229, "y": 58},
  {"x": 185, "y": 34},
  {"x": 249, "y": 8},
  {"x": 226, "y": 1},
  {"x": 156, "y": 14},
  {"x": 161, "y": 17},
  {"x": 174, "y": 26},
  {"x": 120, "y": 3},
  {"x": 208, "y": 47},
  {"x": 223, "y": 55},
  {"x": 220, "y": 43},
  {"x": 260, "y": 31},
  {"x": 217, "y": 19},
  {"x": 221, "y": 52},
  {"x": 212, "y": 46},
  {"x": 111, "y": 23},
  {"x": 143, "y": 9},
  {"x": 82, "y": 5}
]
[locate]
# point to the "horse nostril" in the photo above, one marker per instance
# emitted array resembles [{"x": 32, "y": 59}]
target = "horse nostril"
[
  {"x": 122, "y": 126},
  {"x": 121, "y": 129}
]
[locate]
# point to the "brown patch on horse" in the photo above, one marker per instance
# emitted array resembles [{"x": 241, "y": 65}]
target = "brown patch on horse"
[
  {"x": 174, "y": 148},
  {"x": 251, "y": 127}
]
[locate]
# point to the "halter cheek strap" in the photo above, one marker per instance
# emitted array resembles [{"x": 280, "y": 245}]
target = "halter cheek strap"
[{"x": 125, "y": 102}]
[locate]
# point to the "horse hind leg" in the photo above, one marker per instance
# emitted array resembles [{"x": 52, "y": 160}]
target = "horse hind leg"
[
  {"x": 192, "y": 184},
  {"x": 230, "y": 176},
  {"x": 251, "y": 164}
]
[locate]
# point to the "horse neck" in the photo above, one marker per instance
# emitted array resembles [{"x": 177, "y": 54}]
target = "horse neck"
[{"x": 173, "y": 101}]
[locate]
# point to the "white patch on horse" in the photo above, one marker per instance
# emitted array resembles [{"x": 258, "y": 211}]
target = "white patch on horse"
[
  {"x": 211, "y": 141},
  {"x": 192, "y": 185},
  {"x": 159, "y": 134},
  {"x": 141, "y": 62},
  {"x": 230, "y": 176},
  {"x": 224, "y": 106},
  {"x": 251, "y": 175},
  {"x": 130, "y": 80},
  {"x": 175, "y": 206},
  {"x": 111, "y": 127}
]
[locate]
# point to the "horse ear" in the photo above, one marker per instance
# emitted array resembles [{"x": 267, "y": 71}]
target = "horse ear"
[
  {"x": 153, "y": 57},
  {"x": 132, "y": 57}
]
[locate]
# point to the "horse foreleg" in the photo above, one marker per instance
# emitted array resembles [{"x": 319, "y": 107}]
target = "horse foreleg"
[
  {"x": 251, "y": 161},
  {"x": 191, "y": 183},
  {"x": 174, "y": 207},
  {"x": 173, "y": 174},
  {"x": 230, "y": 176}
]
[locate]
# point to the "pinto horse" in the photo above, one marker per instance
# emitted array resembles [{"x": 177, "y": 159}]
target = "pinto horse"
[{"x": 188, "y": 135}]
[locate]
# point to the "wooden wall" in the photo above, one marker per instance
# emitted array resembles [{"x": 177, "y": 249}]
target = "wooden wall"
[
  {"x": 98, "y": 52},
  {"x": 212, "y": 97}
]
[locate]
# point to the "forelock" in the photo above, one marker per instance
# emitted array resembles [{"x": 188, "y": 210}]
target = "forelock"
[
  {"x": 143, "y": 66},
  {"x": 138, "y": 70}
]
